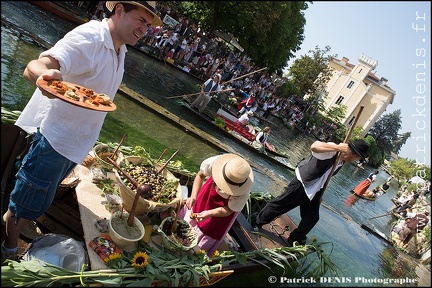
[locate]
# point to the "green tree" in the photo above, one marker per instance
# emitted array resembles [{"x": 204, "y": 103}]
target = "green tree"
[
  {"x": 400, "y": 141},
  {"x": 311, "y": 73},
  {"x": 385, "y": 131},
  {"x": 270, "y": 31},
  {"x": 376, "y": 156},
  {"x": 402, "y": 169},
  {"x": 288, "y": 89},
  {"x": 337, "y": 113}
]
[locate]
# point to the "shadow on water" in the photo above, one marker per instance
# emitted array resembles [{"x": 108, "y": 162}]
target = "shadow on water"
[{"x": 356, "y": 252}]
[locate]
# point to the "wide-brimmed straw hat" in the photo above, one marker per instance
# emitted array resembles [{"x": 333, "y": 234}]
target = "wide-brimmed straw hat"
[
  {"x": 232, "y": 174},
  {"x": 360, "y": 147},
  {"x": 150, "y": 6}
]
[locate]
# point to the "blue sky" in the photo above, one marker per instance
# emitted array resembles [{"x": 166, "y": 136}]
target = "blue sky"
[{"x": 386, "y": 32}]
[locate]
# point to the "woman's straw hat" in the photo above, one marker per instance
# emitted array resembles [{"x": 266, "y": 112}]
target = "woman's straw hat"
[
  {"x": 150, "y": 6},
  {"x": 232, "y": 174}
]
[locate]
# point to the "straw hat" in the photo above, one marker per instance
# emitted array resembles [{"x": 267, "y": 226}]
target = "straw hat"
[
  {"x": 232, "y": 174},
  {"x": 217, "y": 75},
  {"x": 150, "y": 6},
  {"x": 360, "y": 147}
]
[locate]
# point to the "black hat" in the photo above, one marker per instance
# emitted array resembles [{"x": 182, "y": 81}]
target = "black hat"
[{"x": 360, "y": 147}]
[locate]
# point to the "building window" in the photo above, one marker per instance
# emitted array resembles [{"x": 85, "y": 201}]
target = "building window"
[
  {"x": 340, "y": 99},
  {"x": 361, "y": 69},
  {"x": 350, "y": 84},
  {"x": 351, "y": 121}
]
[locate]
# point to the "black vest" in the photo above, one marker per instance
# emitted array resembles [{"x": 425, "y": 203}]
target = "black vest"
[
  {"x": 311, "y": 168},
  {"x": 209, "y": 87}
]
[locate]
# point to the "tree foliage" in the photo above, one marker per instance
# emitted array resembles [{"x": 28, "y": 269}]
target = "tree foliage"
[
  {"x": 337, "y": 113},
  {"x": 288, "y": 89},
  {"x": 400, "y": 141},
  {"x": 270, "y": 31},
  {"x": 311, "y": 72},
  {"x": 402, "y": 169},
  {"x": 385, "y": 131}
]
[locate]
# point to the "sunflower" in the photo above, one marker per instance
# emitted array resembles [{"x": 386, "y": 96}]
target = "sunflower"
[
  {"x": 112, "y": 258},
  {"x": 199, "y": 252},
  {"x": 140, "y": 259},
  {"x": 215, "y": 254}
]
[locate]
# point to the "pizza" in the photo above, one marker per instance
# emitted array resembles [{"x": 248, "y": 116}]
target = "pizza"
[
  {"x": 73, "y": 91},
  {"x": 77, "y": 95}
]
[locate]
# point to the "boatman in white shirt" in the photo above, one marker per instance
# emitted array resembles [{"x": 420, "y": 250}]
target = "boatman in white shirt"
[
  {"x": 262, "y": 137},
  {"x": 211, "y": 85}
]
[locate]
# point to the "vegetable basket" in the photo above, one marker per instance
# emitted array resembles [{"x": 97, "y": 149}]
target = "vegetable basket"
[
  {"x": 183, "y": 238},
  {"x": 166, "y": 190}
]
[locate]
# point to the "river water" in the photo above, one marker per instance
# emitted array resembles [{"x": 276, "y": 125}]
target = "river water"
[{"x": 356, "y": 252}]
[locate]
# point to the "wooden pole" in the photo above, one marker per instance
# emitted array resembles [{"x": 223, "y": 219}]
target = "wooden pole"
[
  {"x": 197, "y": 93},
  {"x": 226, "y": 90},
  {"x": 339, "y": 154},
  {"x": 167, "y": 162},
  {"x": 388, "y": 213},
  {"x": 118, "y": 147},
  {"x": 244, "y": 75}
]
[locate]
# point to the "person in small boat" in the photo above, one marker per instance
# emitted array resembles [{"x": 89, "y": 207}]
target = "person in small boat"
[
  {"x": 262, "y": 137},
  {"x": 92, "y": 55},
  {"x": 244, "y": 120},
  {"x": 413, "y": 226},
  {"x": 211, "y": 85},
  {"x": 306, "y": 189},
  {"x": 386, "y": 185},
  {"x": 396, "y": 233},
  {"x": 249, "y": 104},
  {"x": 404, "y": 198},
  {"x": 365, "y": 184},
  {"x": 374, "y": 193},
  {"x": 213, "y": 206},
  {"x": 402, "y": 209}
]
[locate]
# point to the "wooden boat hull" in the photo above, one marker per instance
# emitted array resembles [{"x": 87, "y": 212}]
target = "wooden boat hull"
[
  {"x": 363, "y": 197},
  {"x": 209, "y": 116},
  {"x": 277, "y": 231},
  {"x": 56, "y": 9}
]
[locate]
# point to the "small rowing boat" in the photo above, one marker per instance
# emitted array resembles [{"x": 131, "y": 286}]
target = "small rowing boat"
[
  {"x": 363, "y": 196},
  {"x": 234, "y": 131}
]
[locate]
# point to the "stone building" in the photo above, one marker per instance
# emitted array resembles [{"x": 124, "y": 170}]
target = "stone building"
[{"x": 357, "y": 85}]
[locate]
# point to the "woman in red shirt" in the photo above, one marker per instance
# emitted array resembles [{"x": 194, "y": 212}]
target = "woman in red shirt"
[{"x": 212, "y": 208}]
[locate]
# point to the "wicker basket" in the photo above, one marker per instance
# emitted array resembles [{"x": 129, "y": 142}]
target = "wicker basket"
[
  {"x": 172, "y": 241},
  {"x": 105, "y": 151},
  {"x": 143, "y": 205}
]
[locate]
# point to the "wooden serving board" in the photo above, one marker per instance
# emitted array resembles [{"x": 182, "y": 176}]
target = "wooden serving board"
[
  {"x": 276, "y": 232},
  {"x": 46, "y": 86}
]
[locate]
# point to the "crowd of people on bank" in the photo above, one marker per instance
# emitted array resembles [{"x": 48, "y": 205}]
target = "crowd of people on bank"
[
  {"x": 205, "y": 55},
  {"x": 413, "y": 212}
]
